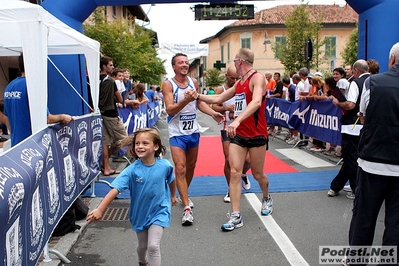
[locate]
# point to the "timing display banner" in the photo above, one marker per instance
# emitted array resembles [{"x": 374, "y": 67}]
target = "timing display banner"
[
  {"x": 40, "y": 178},
  {"x": 224, "y": 11}
]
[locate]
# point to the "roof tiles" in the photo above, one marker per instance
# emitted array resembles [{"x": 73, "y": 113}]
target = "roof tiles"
[{"x": 278, "y": 14}]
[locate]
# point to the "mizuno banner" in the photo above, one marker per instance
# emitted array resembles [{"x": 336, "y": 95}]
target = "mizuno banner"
[{"x": 318, "y": 119}]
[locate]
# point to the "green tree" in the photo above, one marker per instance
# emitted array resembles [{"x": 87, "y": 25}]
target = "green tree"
[
  {"x": 129, "y": 45},
  {"x": 349, "y": 53},
  {"x": 213, "y": 78},
  {"x": 300, "y": 27}
]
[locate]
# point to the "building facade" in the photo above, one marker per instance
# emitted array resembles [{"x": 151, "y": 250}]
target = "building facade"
[{"x": 268, "y": 27}]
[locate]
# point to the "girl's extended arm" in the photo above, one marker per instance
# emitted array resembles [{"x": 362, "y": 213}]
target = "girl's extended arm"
[
  {"x": 132, "y": 102},
  {"x": 172, "y": 187},
  {"x": 96, "y": 214},
  {"x": 144, "y": 100}
]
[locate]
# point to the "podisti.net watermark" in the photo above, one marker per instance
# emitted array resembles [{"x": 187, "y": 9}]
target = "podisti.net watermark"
[{"x": 357, "y": 255}]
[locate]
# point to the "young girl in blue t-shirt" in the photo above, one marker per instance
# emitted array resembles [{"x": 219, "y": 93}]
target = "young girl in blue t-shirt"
[{"x": 147, "y": 179}]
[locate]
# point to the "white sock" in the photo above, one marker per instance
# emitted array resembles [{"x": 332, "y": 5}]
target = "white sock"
[{"x": 235, "y": 214}]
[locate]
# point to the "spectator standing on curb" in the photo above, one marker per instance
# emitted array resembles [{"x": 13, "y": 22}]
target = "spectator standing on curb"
[
  {"x": 151, "y": 95},
  {"x": 350, "y": 131},
  {"x": 117, "y": 75},
  {"x": 271, "y": 83},
  {"x": 292, "y": 138},
  {"x": 136, "y": 96},
  {"x": 342, "y": 82},
  {"x": 127, "y": 83},
  {"x": 277, "y": 92},
  {"x": 113, "y": 128},
  {"x": 160, "y": 96},
  {"x": 374, "y": 67},
  {"x": 304, "y": 86},
  {"x": 349, "y": 73}
]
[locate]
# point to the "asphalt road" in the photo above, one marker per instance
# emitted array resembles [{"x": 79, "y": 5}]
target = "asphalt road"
[{"x": 300, "y": 223}]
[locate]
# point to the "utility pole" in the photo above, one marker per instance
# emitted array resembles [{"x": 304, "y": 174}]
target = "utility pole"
[{"x": 308, "y": 52}]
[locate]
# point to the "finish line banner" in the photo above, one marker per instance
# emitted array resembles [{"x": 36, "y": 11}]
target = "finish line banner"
[
  {"x": 318, "y": 119},
  {"x": 192, "y": 50},
  {"x": 40, "y": 178}
]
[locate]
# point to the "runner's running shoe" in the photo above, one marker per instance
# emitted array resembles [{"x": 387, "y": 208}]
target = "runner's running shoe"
[
  {"x": 227, "y": 197},
  {"x": 267, "y": 206},
  {"x": 188, "y": 218},
  {"x": 245, "y": 183},
  {"x": 190, "y": 203},
  {"x": 233, "y": 223}
]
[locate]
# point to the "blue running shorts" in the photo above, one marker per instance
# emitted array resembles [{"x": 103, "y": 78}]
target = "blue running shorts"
[{"x": 185, "y": 142}]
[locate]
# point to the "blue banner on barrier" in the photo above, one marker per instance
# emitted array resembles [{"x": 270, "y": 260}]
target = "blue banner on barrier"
[
  {"x": 40, "y": 178},
  {"x": 324, "y": 122},
  {"x": 318, "y": 119},
  {"x": 144, "y": 116},
  {"x": 133, "y": 119},
  {"x": 153, "y": 113},
  {"x": 278, "y": 112}
]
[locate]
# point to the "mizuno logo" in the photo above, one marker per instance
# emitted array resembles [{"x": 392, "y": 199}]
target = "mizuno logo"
[
  {"x": 301, "y": 115},
  {"x": 269, "y": 110}
]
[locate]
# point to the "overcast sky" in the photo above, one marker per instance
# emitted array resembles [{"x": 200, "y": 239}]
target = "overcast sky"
[{"x": 175, "y": 23}]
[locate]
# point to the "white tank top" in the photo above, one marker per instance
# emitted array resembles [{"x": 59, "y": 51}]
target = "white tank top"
[
  {"x": 185, "y": 122},
  {"x": 227, "y": 120}
]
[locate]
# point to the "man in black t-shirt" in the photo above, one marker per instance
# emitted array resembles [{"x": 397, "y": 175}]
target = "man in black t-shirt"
[{"x": 113, "y": 128}]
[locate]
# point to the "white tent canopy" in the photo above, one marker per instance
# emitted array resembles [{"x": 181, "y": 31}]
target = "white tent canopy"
[{"x": 28, "y": 28}]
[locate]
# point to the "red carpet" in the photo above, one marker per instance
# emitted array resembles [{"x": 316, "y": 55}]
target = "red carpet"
[{"x": 211, "y": 159}]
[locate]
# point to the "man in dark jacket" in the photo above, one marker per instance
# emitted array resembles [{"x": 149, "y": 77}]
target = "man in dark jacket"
[
  {"x": 378, "y": 172},
  {"x": 350, "y": 131}
]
